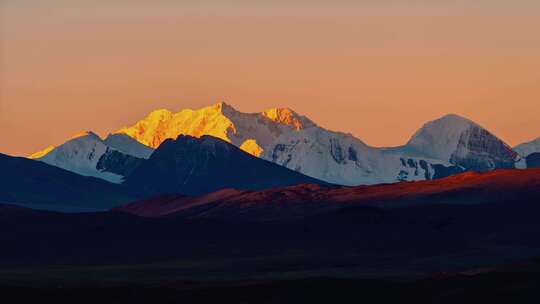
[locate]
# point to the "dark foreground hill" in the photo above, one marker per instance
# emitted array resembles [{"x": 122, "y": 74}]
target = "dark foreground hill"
[
  {"x": 194, "y": 166},
  {"x": 38, "y": 185}
]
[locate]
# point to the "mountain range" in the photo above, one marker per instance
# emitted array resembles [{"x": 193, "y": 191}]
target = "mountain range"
[
  {"x": 443, "y": 147},
  {"x": 219, "y": 195}
]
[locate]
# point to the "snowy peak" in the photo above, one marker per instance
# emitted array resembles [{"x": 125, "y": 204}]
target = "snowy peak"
[
  {"x": 128, "y": 145},
  {"x": 463, "y": 143},
  {"x": 439, "y": 138},
  {"x": 81, "y": 155},
  {"x": 162, "y": 124},
  {"x": 87, "y": 154}
]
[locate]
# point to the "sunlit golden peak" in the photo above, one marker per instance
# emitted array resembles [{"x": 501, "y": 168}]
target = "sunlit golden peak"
[{"x": 285, "y": 116}]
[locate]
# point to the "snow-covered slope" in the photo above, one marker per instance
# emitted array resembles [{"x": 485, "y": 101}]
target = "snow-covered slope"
[
  {"x": 528, "y": 148},
  {"x": 250, "y": 131},
  {"x": 343, "y": 159},
  {"x": 446, "y": 146},
  {"x": 128, "y": 145},
  {"x": 88, "y": 155}
]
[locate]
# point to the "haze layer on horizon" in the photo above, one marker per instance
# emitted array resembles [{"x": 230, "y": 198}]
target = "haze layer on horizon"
[{"x": 377, "y": 69}]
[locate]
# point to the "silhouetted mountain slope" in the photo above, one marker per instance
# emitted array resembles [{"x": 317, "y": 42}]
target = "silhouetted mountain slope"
[
  {"x": 193, "y": 166},
  {"x": 38, "y": 185},
  {"x": 497, "y": 186}
]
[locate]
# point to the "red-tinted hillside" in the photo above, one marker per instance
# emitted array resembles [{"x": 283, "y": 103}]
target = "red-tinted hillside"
[{"x": 308, "y": 199}]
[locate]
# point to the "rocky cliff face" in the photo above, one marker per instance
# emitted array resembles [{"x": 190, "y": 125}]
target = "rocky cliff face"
[{"x": 479, "y": 150}]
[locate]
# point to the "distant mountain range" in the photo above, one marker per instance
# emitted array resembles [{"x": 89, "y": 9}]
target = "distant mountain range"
[{"x": 443, "y": 147}]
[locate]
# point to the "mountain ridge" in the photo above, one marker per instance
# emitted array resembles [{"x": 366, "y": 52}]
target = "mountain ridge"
[{"x": 445, "y": 146}]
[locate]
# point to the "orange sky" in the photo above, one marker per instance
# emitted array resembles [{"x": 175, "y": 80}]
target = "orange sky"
[{"x": 377, "y": 69}]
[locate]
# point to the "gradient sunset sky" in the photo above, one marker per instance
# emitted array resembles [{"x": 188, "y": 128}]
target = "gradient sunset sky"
[{"x": 376, "y": 68}]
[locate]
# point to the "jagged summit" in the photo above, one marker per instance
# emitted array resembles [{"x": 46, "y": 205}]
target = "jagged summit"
[{"x": 252, "y": 132}]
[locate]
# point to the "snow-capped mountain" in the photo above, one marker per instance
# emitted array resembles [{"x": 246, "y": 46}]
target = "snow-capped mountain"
[
  {"x": 87, "y": 154},
  {"x": 463, "y": 143},
  {"x": 343, "y": 159},
  {"x": 446, "y": 146},
  {"x": 127, "y": 145},
  {"x": 443, "y": 147},
  {"x": 252, "y": 132}
]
